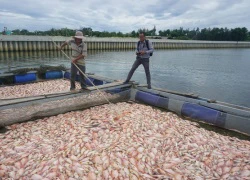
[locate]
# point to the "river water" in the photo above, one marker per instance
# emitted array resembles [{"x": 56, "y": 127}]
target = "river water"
[{"x": 221, "y": 74}]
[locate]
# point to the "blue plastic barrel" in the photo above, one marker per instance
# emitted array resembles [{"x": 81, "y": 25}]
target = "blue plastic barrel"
[
  {"x": 25, "y": 78},
  {"x": 53, "y": 75},
  {"x": 152, "y": 99},
  {"x": 67, "y": 75},
  {"x": 198, "y": 112},
  {"x": 98, "y": 82},
  {"x": 89, "y": 80},
  {"x": 114, "y": 91}
]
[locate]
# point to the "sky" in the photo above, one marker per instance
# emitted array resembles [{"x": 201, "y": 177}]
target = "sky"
[{"x": 123, "y": 16}]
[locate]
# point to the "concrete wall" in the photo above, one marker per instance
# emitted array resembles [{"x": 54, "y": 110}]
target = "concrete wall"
[{"x": 41, "y": 43}]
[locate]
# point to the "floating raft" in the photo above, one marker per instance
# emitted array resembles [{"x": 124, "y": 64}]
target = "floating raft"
[
  {"x": 15, "y": 110},
  {"x": 79, "y": 135},
  {"x": 220, "y": 114}
]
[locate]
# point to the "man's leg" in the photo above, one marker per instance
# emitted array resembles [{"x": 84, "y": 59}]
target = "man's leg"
[
  {"x": 145, "y": 63},
  {"x": 73, "y": 72},
  {"x": 134, "y": 67},
  {"x": 82, "y": 77}
]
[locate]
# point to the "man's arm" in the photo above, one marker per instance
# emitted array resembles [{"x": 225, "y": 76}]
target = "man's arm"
[
  {"x": 62, "y": 46},
  {"x": 151, "y": 48},
  {"x": 77, "y": 58}
]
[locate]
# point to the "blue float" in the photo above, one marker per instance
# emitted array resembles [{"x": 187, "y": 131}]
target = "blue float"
[
  {"x": 97, "y": 82},
  {"x": 114, "y": 91},
  {"x": 53, "y": 75},
  {"x": 67, "y": 76},
  {"x": 25, "y": 78},
  {"x": 152, "y": 99},
  {"x": 89, "y": 80},
  {"x": 209, "y": 115}
]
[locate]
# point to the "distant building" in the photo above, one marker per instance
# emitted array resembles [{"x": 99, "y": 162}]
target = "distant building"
[
  {"x": 6, "y": 31},
  {"x": 154, "y": 37}
]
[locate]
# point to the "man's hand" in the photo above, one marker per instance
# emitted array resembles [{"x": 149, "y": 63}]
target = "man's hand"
[
  {"x": 74, "y": 61},
  {"x": 59, "y": 48},
  {"x": 142, "y": 52}
]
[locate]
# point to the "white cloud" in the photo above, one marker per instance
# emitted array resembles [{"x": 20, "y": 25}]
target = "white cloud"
[{"x": 113, "y": 15}]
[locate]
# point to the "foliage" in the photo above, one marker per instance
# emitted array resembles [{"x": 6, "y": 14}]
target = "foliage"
[{"x": 212, "y": 34}]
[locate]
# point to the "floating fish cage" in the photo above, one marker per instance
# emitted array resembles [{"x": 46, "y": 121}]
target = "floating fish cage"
[
  {"x": 120, "y": 131},
  {"x": 26, "y": 95},
  {"x": 220, "y": 114}
]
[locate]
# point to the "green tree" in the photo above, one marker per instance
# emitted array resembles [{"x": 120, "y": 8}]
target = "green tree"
[
  {"x": 24, "y": 32},
  {"x": 16, "y": 32}
]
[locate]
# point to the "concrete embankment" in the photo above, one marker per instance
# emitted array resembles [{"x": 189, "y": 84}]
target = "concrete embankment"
[{"x": 45, "y": 43}]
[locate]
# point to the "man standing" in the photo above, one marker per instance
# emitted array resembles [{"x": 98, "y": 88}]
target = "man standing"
[
  {"x": 79, "y": 53},
  {"x": 144, "y": 50}
]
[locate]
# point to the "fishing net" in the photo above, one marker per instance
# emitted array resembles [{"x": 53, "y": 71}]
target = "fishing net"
[
  {"x": 31, "y": 109},
  {"x": 6, "y": 80},
  {"x": 40, "y": 70},
  {"x": 44, "y": 68},
  {"x": 22, "y": 71}
]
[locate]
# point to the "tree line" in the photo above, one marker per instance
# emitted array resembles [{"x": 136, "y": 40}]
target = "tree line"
[{"x": 213, "y": 34}]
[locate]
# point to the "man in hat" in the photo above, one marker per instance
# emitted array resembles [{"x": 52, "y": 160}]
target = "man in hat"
[{"x": 79, "y": 53}]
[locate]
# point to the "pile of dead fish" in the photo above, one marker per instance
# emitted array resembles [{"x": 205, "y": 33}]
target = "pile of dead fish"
[
  {"x": 29, "y": 111},
  {"x": 120, "y": 141},
  {"x": 34, "y": 89}
]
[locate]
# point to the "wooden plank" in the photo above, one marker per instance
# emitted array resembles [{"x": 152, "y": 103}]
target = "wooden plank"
[
  {"x": 12, "y": 74},
  {"x": 42, "y": 95},
  {"x": 118, "y": 86},
  {"x": 105, "y": 86},
  {"x": 173, "y": 92},
  {"x": 102, "y": 78},
  {"x": 6, "y": 74},
  {"x": 13, "y": 101},
  {"x": 177, "y": 93},
  {"x": 32, "y": 98}
]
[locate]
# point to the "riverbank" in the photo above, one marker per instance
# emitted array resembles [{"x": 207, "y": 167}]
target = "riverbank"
[{"x": 41, "y": 43}]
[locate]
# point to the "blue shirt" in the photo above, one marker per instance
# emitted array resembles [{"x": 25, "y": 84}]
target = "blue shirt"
[{"x": 143, "y": 47}]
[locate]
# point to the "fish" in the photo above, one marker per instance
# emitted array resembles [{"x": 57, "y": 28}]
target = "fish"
[{"x": 90, "y": 144}]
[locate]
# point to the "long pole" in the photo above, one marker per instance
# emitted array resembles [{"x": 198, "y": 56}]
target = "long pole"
[{"x": 83, "y": 73}]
